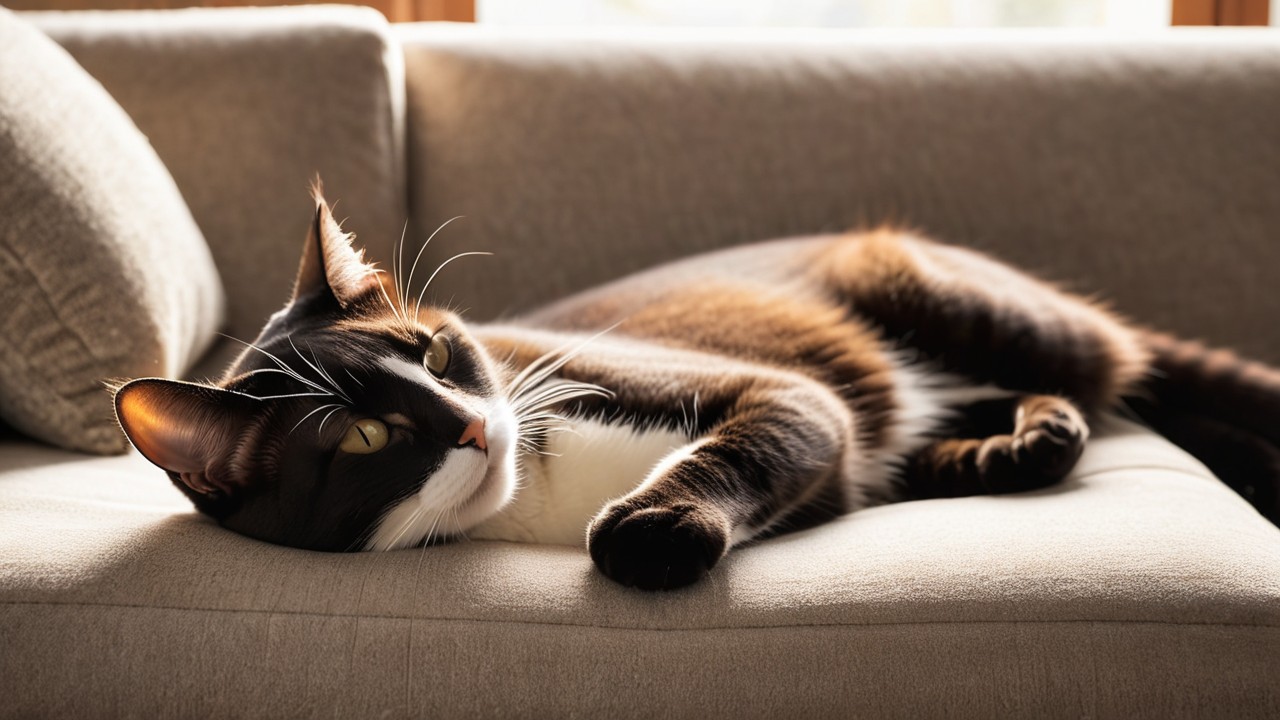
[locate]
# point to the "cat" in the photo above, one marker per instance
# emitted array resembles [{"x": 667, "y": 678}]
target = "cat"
[{"x": 672, "y": 415}]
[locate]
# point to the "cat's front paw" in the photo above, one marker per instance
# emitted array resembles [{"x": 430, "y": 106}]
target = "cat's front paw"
[{"x": 657, "y": 547}]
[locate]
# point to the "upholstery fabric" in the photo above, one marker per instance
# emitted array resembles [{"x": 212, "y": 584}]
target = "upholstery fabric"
[
  {"x": 103, "y": 272},
  {"x": 245, "y": 107},
  {"x": 1142, "y": 168},
  {"x": 1141, "y": 587}
]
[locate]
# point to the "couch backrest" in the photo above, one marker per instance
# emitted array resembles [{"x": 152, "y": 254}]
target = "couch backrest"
[
  {"x": 245, "y": 107},
  {"x": 1144, "y": 168}
]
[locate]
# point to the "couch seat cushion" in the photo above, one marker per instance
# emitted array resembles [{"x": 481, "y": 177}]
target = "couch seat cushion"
[{"x": 1139, "y": 587}]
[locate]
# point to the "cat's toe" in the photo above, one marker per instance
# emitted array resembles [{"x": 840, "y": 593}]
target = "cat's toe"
[{"x": 659, "y": 547}]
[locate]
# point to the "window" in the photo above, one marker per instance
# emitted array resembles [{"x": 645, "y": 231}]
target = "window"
[{"x": 1128, "y": 14}]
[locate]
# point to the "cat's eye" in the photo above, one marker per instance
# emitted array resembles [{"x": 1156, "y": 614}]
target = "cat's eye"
[
  {"x": 438, "y": 352},
  {"x": 364, "y": 437}
]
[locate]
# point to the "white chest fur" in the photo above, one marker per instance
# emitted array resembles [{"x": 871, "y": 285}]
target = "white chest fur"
[{"x": 584, "y": 467}]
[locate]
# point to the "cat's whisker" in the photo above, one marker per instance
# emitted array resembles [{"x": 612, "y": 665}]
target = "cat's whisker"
[
  {"x": 404, "y": 527},
  {"x": 542, "y": 367},
  {"x": 435, "y": 523},
  {"x": 315, "y": 369},
  {"x": 418, "y": 302},
  {"x": 291, "y": 395},
  {"x": 457, "y": 523},
  {"x": 284, "y": 367},
  {"x": 325, "y": 371},
  {"x": 538, "y": 416},
  {"x": 320, "y": 430},
  {"x": 408, "y": 283},
  {"x": 313, "y": 412},
  {"x": 397, "y": 268},
  {"x": 386, "y": 297},
  {"x": 522, "y": 381},
  {"x": 402, "y": 294},
  {"x": 557, "y": 393},
  {"x": 353, "y": 377},
  {"x": 523, "y": 397}
]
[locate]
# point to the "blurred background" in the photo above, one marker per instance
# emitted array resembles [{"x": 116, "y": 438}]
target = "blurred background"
[{"x": 1118, "y": 14}]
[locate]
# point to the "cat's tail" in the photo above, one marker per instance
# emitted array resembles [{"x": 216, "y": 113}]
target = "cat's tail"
[{"x": 1222, "y": 409}]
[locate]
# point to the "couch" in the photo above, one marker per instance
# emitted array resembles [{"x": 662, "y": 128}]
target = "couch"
[{"x": 1142, "y": 168}]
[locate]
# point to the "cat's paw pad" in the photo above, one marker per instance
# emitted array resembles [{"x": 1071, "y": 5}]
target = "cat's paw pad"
[
  {"x": 1046, "y": 445},
  {"x": 657, "y": 547},
  {"x": 1053, "y": 442}
]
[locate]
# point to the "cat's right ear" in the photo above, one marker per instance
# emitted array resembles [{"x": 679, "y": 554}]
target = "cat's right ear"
[
  {"x": 330, "y": 265},
  {"x": 187, "y": 429}
]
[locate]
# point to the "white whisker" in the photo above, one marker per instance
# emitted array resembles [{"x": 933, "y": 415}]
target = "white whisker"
[
  {"x": 387, "y": 297},
  {"x": 284, "y": 367},
  {"x": 408, "y": 523},
  {"x": 317, "y": 370},
  {"x": 408, "y": 283},
  {"x": 556, "y": 392},
  {"x": 290, "y": 395},
  {"x": 320, "y": 429},
  {"x": 548, "y": 363},
  {"x": 325, "y": 372},
  {"x": 418, "y": 302},
  {"x": 313, "y": 412},
  {"x": 457, "y": 523}
]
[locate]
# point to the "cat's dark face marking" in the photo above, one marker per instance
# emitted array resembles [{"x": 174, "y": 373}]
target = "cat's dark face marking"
[{"x": 345, "y": 425}]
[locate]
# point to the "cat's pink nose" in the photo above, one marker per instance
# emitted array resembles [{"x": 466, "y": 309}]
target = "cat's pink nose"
[{"x": 474, "y": 434}]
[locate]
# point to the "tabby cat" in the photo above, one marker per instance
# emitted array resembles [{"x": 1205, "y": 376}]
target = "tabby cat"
[{"x": 680, "y": 412}]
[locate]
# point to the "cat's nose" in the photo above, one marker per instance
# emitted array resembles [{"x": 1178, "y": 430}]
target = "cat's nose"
[{"x": 474, "y": 434}]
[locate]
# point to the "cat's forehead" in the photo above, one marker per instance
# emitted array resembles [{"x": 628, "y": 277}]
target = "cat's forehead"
[{"x": 352, "y": 343}]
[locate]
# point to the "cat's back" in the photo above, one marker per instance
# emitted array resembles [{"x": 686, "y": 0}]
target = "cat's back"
[{"x": 776, "y": 267}]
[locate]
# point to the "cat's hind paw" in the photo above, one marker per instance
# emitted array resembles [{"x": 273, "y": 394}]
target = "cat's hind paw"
[{"x": 1049, "y": 438}]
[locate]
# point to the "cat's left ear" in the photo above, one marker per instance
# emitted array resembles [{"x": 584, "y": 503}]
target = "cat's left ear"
[
  {"x": 329, "y": 263},
  {"x": 187, "y": 429}
]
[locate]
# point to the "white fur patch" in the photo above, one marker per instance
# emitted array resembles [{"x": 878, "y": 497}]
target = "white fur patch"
[
  {"x": 412, "y": 372},
  {"x": 468, "y": 487},
  {"x": 585, "y": 466},
  {"x": 427, "y": 512},
  {"x": 927, "y": 399}
]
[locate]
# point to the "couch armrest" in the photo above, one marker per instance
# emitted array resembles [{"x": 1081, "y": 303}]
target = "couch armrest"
[
  {"x": 245, "y": 107},
  {"x": 1145, "y": 168}
]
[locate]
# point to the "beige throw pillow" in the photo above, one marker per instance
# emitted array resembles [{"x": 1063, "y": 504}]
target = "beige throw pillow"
[{"x": 103, "y": 272}]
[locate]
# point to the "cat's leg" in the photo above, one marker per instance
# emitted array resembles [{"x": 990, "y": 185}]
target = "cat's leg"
[
  {"x": 990, "y": 322},
  {"x": 782, "y": 443},
  {"x": 764, "y": 443},
  {"x": 984, "y": 320},
  {"x": 1046, "y": 440}
]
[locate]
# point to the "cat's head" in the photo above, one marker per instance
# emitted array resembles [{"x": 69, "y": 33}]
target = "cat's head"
[{"x": 355, "y": 420}]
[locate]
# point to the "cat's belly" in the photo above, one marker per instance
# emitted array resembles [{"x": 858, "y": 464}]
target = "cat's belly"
[{"x": 584, "y": 467}]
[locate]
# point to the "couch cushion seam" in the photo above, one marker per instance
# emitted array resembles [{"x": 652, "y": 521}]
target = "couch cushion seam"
[{"x": 502, "y": 621}]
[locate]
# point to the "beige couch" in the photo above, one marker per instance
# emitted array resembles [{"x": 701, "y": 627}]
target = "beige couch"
[{"x": 1143, "y": 168}]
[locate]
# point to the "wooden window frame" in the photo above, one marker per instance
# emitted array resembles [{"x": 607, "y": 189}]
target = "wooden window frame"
[
  {"x": 395, "y": 10},
  {"x": 1221, "y": 12}
]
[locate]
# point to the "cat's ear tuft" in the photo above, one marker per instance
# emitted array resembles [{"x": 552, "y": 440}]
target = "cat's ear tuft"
[
  {"x": 187, "y": 429},
  {"x": 329, "y": 262}
]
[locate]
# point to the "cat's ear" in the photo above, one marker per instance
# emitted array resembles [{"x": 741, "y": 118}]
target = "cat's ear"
[
  {"x": 187, "y": 429},
  {"x": 329, "y": 263}
]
